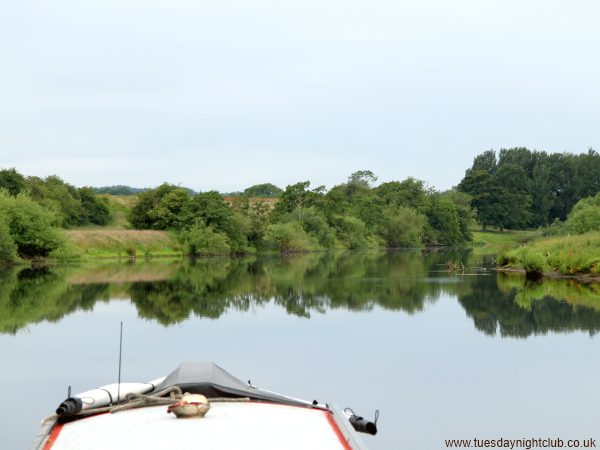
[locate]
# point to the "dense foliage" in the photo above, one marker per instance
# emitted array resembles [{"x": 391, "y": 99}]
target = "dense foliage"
[
  {"x": 71, "y": 206},
  {"x": 519, "y": 188},
  {"x": 353, "y": 215},
  {"x": 26, "y": 229}
]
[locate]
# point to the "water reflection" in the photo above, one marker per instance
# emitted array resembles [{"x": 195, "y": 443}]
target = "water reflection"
[{"x": 171, "y": 292}]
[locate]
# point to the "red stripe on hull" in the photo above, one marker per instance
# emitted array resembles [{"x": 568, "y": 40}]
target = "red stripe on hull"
[
  {"x": 53, "y": 436},
  {"x": 337, "y": 430}
]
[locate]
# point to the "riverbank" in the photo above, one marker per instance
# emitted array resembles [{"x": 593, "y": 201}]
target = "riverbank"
[
  {"x": 561, "y": 256},
  {"x": 496, "y": 242},
  {"x": 118, "y": 243}
]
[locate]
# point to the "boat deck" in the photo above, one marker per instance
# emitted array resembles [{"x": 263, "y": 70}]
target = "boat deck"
[{"x": 226, "y": 426}]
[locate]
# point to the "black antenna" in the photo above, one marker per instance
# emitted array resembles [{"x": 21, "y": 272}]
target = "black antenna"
[{"x": 120, "y": 354}]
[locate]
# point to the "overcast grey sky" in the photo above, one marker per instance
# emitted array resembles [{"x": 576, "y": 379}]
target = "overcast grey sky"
[{"x": 224, "y": 94}]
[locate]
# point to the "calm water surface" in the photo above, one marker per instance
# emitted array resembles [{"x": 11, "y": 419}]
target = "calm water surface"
[{"x": 441, "y": 355}]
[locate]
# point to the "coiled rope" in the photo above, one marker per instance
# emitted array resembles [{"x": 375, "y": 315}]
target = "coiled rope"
[{"x": 168, "y": 396}]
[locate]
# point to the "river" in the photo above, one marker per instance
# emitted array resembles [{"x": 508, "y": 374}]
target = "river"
[{"x": 442, "y": 355}]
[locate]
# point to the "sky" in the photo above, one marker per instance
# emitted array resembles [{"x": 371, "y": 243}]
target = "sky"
[{"x": 226, "y": 94}]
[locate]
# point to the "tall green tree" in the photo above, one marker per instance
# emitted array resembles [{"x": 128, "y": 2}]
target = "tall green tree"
[{"x": 509, "y": 193}]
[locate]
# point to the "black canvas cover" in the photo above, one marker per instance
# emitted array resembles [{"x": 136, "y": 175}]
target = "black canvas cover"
[{"x": 212, "y": 381}]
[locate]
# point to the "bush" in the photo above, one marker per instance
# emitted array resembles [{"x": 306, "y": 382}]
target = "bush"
[
  {"x": 237, "y": 228},
  {"x": 510, "y": 257},
  {"x": 583, "y": 219},
  {"x": 8, "y": 248},
  {"x": 65, "y": 253},
  {"x": 533, "y": 262},
  {"x": 315, "y": 224},
  {"x": 201, "y": 239},
  {"x": 30, "y": 226},
  {"x": 351, "y": 232},
  {"x": 290, "y": 237},
  {"x": 404, "y": 227}
]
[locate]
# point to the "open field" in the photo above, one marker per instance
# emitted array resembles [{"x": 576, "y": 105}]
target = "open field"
[
  {"x": 119, "y": 243},
  {"x": 119, "y": 206}
]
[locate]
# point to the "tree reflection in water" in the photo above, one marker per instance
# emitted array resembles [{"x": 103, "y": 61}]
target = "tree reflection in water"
[{"x": 171, "y": 292}]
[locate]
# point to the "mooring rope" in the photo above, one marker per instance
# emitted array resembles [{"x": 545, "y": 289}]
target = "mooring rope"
[
  {"x": 141, "y": 400},
  {"x": 168, "y": 396}
]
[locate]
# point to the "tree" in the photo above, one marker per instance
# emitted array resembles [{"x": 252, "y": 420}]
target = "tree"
[
  {"x": 478, "y": 185},
  {"x": 510, "y": 197},
  {"x": 362, "y": 179},
  {"x": 443, "y": 223},
  {"x": 160, "y": 208},
  {"x": 12, "y": 181},
  {"x": 410, "y": 192},
  {"x": 486, "y": 162},
  {"x": 464, "y": 212},
  {"x": 265, "y": 190},
  {"x": 95, "y": 209},
  {"x": 211, "y": 209},
  {"x": 295, "y": 198}
]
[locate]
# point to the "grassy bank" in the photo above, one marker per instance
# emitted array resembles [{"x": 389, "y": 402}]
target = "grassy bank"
[
  {"x": 562, "y": 255},
  {"x": 119, "y": 243},
  {"x": 494, "y": 241}
]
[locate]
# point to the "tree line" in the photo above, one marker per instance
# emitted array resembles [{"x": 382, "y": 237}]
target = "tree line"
[
  {"x": 512, "y": 188},
  {"x": 32, "y": 211},
  {"x": 352, "y": 215},
  {"x": 70, "y": 206},
  {"x": 520, "y": 188}
]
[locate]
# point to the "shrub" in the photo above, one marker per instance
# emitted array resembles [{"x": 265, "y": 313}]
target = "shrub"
[
  {"x": 583, "y": 219},
  {"x": 404, "y": 227},
  {"x": 30, "y": 226},
  {"x": 8, "y": 248},
  {"x": 351, "y": 232},
  {"x": 315, "y": 224},
  {"x": 533, "y": 262},
  {"x": 65, "y": 253},
  {"x": 201, "y": 239},
  {"x": 290, "y": 237}
]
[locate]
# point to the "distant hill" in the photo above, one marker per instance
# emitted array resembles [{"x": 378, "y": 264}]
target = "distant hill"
[
  {"x": 118, "y": 190},
  {"x": 126, "y": 190}
]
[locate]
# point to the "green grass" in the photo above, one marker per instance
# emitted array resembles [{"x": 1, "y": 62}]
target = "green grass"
[
  {"x": 119, "y": 243},
  {"x": 119, "y": 206},
  {"x": 494, "y": 241},
  {"x": 565, "y": 255}
]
